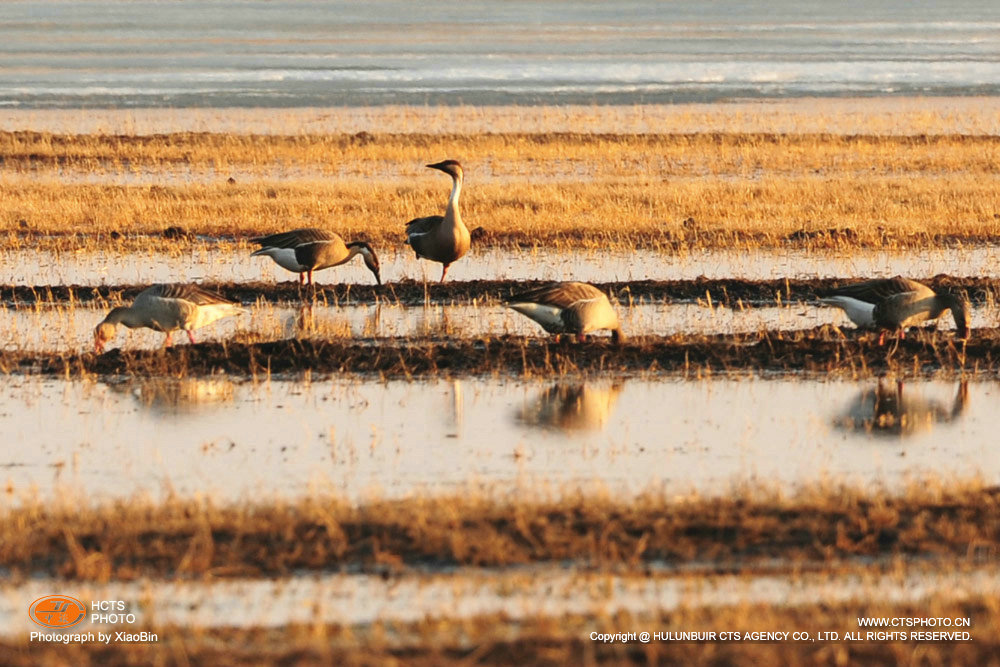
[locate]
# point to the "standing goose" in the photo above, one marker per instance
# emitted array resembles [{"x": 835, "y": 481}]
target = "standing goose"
[
  {"x": 896, "y": 303},
  {"x": 166, "y": 308},
  {"x": 306, "y": 250},
  {"x": 441, "y": 238},
  {"x": 569, "y": 308}
]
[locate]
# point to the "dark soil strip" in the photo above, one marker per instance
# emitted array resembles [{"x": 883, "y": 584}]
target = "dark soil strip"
[
  {"x": 728, "y": 292},
  {"x": 820, "y": 350},
  {"x": 188, "y": 538}
]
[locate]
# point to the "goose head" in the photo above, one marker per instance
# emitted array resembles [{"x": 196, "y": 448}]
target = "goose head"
[
  {"x": 958, "y": 304},
  {"x": 368, "y": 254},
  {"x": 450, "y": 167},
  {"x": 107, "y": 329}
]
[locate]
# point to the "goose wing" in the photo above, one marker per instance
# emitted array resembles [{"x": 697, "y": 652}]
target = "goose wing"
[
  {"x": 420, "y": 235},
  {"x": 560, "y": 295},
  {"x": 199, "y": 296},
  {"x": 295, "y": 238},
  {"x": 874, "y": 291},
  {"x": 421, "y": 226}
]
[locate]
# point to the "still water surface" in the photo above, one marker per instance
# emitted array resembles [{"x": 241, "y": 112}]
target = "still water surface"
[
  {"x": 364, "y": 439},
  {"x": 206, "y": 263}
]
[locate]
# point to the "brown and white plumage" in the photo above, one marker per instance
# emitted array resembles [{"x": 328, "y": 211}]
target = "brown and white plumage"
[
  {"x": 306, "y": 250},
  {"x": 897, "y": 303},
  {"x": 568, "y": 308},
  {"x": 166, "y": 308},
  {"x": 444, "y": 238}
]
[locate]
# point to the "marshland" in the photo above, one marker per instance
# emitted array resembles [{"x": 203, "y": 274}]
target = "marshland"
[{"x": 410, "y": 471}]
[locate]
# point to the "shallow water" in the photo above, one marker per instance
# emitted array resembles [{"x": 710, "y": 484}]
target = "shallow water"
[
  {"x": 101, "y": 53},
  {"x": 29, "y": 267},
  {"x": 353, "y": 599},
  {"x": 363, "y": 439},
  {"x": 61, "y": 329}
]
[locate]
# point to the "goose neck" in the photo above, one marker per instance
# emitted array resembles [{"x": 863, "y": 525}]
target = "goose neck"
[{"x": 452, "y": 214}]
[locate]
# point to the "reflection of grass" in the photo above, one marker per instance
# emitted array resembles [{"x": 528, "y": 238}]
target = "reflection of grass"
[
  {"x": 669, "y": 192},
  {"x": 124, "y": 540}
]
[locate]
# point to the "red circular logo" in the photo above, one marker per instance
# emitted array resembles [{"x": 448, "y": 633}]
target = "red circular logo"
[{"x": 57, "y": 611}]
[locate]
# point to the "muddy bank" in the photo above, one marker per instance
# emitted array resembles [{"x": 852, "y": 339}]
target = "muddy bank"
[
  {"x": 820, "y": 350},
  {"x": 728, "y": 292},
  {"x": 744, "y": 533}
]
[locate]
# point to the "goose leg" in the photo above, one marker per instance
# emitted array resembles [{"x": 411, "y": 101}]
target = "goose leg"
[
  {"x": 310, "y": 276},
  {"x": 881, "y": 338},
  {"x": 302, "y": 279},
  {"x": 190, "y": 336},
  {"x": 444, "y": 272},
  {"x": 168, "y": 341}
]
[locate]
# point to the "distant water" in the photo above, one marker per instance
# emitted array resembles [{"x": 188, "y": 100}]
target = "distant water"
[{"x": 107, "y": 53}]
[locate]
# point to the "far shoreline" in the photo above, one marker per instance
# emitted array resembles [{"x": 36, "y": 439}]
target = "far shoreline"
[{"x": 874, "y": 116}]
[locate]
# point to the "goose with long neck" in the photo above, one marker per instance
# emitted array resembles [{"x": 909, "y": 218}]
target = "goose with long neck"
[
  {"x": 166, "y": 308},
  {"x": 444, "y": 238},
  {"x": 303, "y": 251},
  {"x": 896, "y": 303}
]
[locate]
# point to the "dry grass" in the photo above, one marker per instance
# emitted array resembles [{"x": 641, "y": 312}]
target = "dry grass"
[
  {"x": 496, "y": 640},
  {"x": 125, "y": 540},
  {"x": 824, "y": 350},
  {"x": 727, "y": 292},
  {"x": 669, "y": 192}
]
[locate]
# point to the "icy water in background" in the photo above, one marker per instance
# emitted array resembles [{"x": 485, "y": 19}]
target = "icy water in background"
[
  {"x": 365, "y": 439},
  {"x": 69, "y": 53}
]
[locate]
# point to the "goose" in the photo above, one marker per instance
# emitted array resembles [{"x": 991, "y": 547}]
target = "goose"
[
  {"x": 441, "y": 238},
  {"x": 571, "y": 407},
  {"x": 303, "y": 251},
  {"x": 166, "y": 308},
  {"x": 884, "y": 411},
  {"x": 569, "y": 308},
  {"x": 896, "y": 303}
]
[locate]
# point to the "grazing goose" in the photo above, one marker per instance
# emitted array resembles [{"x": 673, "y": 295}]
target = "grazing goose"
[
  {"x": 897, "y": 303},
  {"x": 572, "y": 407},
  {"x": 570, "y": 308},
  {"x": 886, "y": 410},
  {"x": 166, "y": 308},
  {"x": 441, "y": 238},
  {"x": 306, "y": 250}
]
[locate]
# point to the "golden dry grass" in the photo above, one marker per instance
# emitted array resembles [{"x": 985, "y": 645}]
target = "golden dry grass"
[
  {"x": 559, "y": 640},
  {"x": 125, "y": 540},
  {"x": 670, "y": 192}
]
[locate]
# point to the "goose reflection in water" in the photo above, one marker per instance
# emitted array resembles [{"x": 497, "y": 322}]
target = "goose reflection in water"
[
  {"x": 894, "y": 411},
  {"x": 175, "y": 395},
  {"x": 571, "y": 407}
]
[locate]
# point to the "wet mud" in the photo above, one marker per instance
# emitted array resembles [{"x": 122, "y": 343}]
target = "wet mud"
[
  {"x": 726, "y": 292},
  {"x": 825, "y": 349},
  {"x": 726, "y": 534}
]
